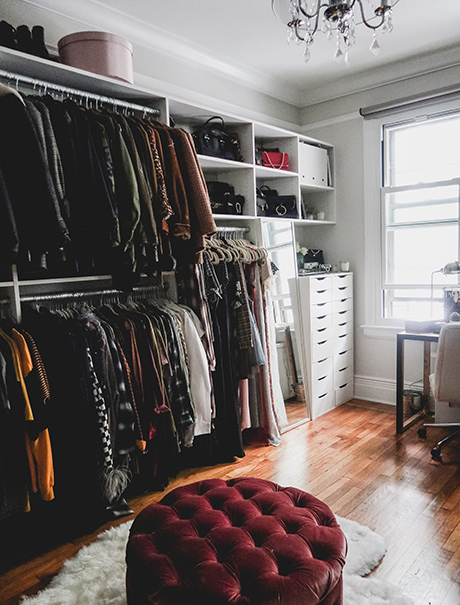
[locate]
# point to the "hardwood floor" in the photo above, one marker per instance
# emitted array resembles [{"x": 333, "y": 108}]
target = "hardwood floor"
[{"x": 352, "y": 459}]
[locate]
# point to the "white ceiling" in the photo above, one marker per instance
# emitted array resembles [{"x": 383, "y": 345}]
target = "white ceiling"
[{"x": 243, "y": 40}]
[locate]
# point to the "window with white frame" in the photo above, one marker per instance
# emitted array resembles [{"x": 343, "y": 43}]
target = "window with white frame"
[{"x": 419, "y": 213}]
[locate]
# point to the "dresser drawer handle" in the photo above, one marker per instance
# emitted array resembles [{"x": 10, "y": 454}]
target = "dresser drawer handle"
[
  {"x": 322, "y": 378},
  {"x": 323, "y": 342}
]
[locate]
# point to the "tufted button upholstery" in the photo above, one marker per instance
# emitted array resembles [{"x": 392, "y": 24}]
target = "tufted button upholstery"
[{"x": 244, "y": 541}]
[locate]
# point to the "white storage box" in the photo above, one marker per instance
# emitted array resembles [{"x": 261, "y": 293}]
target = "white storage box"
[{"x": 313, "y": 165}]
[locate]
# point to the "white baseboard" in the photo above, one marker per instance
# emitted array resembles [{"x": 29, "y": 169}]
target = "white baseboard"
[{"x": 375, "y": 389}]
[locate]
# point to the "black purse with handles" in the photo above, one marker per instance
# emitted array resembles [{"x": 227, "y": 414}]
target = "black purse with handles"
[
  {"x": 272, "y": 204},
  {"x": 223, "y": 198},
  {"x": 213, "y": 139}
]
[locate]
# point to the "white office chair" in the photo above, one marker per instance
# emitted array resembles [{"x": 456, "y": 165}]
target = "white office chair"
[{"x": 446, "y": 380}]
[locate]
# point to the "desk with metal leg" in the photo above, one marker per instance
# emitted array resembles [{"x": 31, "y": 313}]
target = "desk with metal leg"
[{"x": 427, "y": 339}]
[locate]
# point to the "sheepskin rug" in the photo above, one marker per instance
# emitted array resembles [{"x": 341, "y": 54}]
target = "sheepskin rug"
[{"x": 96, "y": 575}]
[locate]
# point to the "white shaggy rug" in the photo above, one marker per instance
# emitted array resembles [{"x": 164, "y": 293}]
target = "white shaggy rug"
[{"x": 96, "y": 575}]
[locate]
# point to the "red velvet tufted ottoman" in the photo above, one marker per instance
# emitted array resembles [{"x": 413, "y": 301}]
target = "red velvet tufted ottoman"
[{"x": 243, "y": 541}]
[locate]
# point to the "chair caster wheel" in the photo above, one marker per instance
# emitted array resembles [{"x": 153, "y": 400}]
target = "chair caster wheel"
[
  {"x": 422, "y": 433},
  {"x": 436, "y": 453}
]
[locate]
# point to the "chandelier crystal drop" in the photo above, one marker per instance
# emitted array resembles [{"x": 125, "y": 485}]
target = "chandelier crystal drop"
[{"x": 304, "y": 18}]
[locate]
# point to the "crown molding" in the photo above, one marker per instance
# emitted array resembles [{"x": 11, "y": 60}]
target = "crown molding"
[
  {"x": 385, "y": 74},
  {"x": 323, "y": 85},
  {"x": 91, "y": 14}
]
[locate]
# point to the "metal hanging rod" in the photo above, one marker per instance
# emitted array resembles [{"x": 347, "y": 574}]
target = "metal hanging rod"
[
  {"x": 57, "y": 88},
  {"x": 231, "y": 232},
  {"x": 91, "y": 293}
]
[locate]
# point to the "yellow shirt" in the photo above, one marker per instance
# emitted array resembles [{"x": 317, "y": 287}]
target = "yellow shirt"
[{"x": 39, "y": 452}]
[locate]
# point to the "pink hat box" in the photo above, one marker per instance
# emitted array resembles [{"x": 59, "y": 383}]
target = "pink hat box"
[{"x": 99, "y": 52}]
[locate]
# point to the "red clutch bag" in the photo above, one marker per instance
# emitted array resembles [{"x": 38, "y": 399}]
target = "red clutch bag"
[{"x": 275, "y": 159}]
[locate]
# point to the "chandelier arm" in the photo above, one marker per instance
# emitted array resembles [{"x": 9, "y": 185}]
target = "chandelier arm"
[
  {"x": 296, "y": 31},
  {"x": 310, "y": 32},
  {"x": 365, "y": 21},
  {"x": 318, "y": 10},
  {"x": 301, "y": 36}
]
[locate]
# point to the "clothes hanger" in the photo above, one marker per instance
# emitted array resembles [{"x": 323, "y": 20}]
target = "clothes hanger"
[
  {"x": 259, "y": 251},
  {"x": 221, "y": 246},
  {"x": 244, "y": 254},
  {"x": 251, "y": 250},
  {"x": 215, "y": 254}
]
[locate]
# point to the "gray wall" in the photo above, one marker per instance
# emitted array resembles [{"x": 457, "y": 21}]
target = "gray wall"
[{"x": 338, "y": 122}]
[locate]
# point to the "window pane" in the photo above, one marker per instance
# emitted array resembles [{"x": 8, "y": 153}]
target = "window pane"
[
  {"x": 413, "y": 304},
  {"x": 424, "y": 152},
  {"x": 421, "y": 224},
  {"x": 417, "y": 205},
  {"x": 413, "y": 253},
  {"x": 429, "y": 212}
]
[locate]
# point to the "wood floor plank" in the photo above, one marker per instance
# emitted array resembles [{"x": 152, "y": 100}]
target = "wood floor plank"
[{"x": 352, "y": 459}]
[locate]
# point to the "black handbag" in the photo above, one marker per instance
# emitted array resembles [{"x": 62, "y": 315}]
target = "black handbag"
[
  {"x": 313, "y": 259},
  {"x": 213, "y": 139},
  {"x": 272, "y": 204},
  {"x": 281, "y": 205},
  {"x": 218, "y": 190},
  {"x": 262, "y": 193},
  {"x": 265, "y": 191},
  {"x": 223, "y": 198}
]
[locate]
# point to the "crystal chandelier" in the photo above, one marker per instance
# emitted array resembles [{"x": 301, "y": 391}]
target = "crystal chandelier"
[{"x": 335, "y": 18}]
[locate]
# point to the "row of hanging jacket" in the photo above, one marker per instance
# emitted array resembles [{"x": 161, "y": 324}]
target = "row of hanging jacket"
[
  {"x": 230, "y": 291},
  {"x": 95, "y": 399},
  {"x": 101, "y": 402},
  {"x": 137, "y": 383},
  {"x": 92, "y": 191},
  {"x": 98, "y": 404}
]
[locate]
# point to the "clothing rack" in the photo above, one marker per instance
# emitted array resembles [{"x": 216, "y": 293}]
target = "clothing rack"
[
  {"x": 152, "y": 289},
  {"x": 15, "y": 308},
  {"x": 231, "y": 232},
  {"x": 59, "y": 89}
]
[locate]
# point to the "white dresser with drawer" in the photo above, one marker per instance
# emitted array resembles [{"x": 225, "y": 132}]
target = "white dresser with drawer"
[{"x": 323, "y": 316}]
